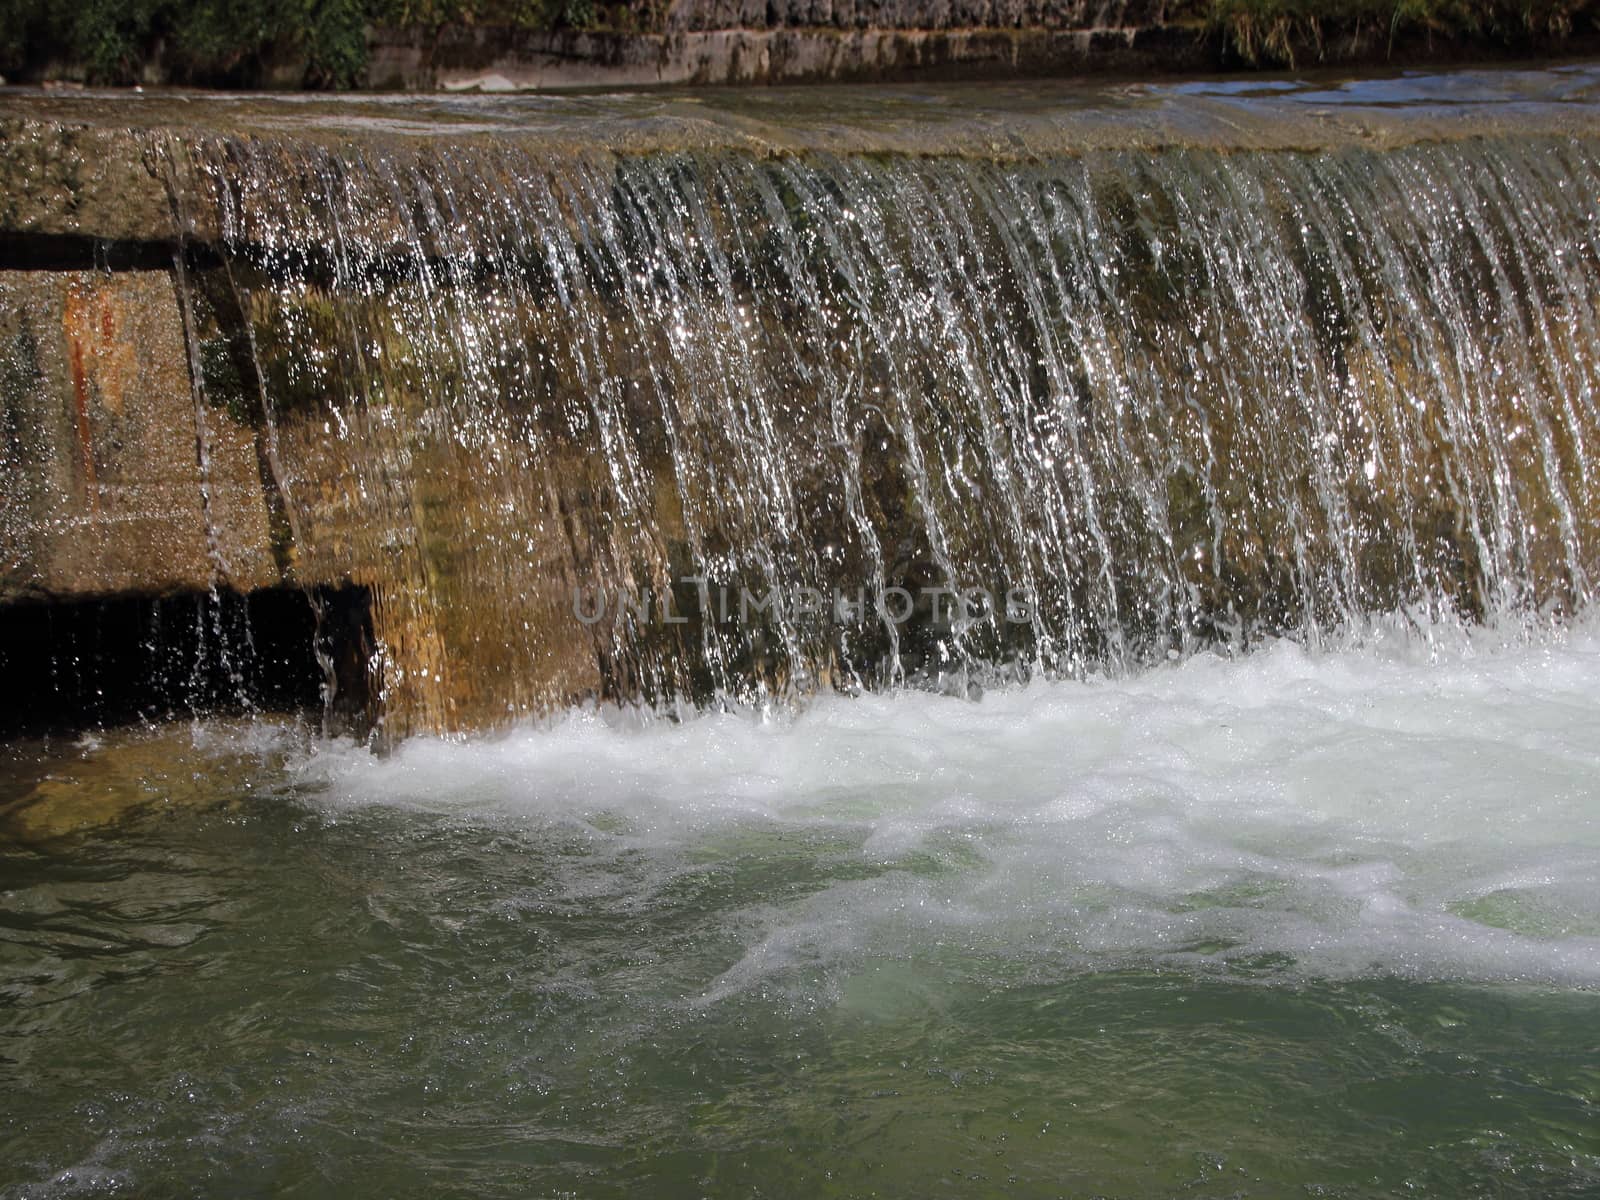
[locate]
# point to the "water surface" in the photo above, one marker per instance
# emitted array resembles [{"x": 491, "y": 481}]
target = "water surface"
[{"x": 1295, "y": 923}]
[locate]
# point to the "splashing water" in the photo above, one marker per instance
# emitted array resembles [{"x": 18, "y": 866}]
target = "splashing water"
[
  {"x": 1198, "y": 930},
  {"x": 1342, "y": 813}
]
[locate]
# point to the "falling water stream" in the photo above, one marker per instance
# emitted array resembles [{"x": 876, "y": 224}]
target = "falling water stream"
[
  {"x": 1240, "y": 836},
  {"x": 1169, "y": 400}
]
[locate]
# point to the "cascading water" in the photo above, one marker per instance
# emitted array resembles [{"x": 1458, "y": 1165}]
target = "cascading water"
[
  {"x": 542, "y": 402},
  {"x": 1159, "y": 400}
]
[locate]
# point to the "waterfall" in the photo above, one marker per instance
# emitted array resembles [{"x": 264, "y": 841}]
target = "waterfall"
[{"x": 1128, "y": 404}]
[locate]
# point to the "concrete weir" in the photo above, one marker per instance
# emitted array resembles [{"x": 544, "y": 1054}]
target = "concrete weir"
[{"x": 384, "y": 395}]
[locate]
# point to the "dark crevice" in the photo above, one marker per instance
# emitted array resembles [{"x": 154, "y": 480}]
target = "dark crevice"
[
  {"x": 320, "y": 265},
  {"x": 89, "y": 664},
  {"x": 346, "y": 652},
  {"x": 80, "y": 252}
]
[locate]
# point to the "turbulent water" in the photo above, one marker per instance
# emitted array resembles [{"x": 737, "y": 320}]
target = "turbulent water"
[{"x": 1294, "y": 923}]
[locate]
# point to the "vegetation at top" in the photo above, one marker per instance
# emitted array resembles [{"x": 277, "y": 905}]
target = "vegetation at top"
[
  {"x": 1267, "y": 31},
  {"x": 233, "y": 42},
  {"x": 223, "y": 42}
]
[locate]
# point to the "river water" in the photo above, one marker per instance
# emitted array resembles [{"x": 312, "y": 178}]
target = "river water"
[{"x": 1299, "y": 922}]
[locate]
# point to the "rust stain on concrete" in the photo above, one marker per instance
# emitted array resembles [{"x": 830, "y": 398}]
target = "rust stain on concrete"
[{"x": 73, "y": 327}]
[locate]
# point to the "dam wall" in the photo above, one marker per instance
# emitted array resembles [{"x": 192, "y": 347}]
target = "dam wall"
[{"x": 675, "y": 404}]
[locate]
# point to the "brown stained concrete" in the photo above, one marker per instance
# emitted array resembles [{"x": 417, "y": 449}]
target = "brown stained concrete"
[
  {"x": 106, "y": 497},
  {"x": 78, "y": 179}
]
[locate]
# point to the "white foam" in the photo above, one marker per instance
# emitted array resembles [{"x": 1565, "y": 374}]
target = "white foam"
[{"x": 1391, "y": 808}]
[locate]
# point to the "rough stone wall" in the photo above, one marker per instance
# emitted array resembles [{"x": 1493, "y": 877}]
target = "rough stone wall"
[
  {"x": 495, "y": 60},
  {"x": 701, "y": 15}
]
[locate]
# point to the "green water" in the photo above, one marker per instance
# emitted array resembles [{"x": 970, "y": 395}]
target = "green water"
[
  {"x": 1289, "y": 926},
  {"x": 260, "y": 1002}
]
